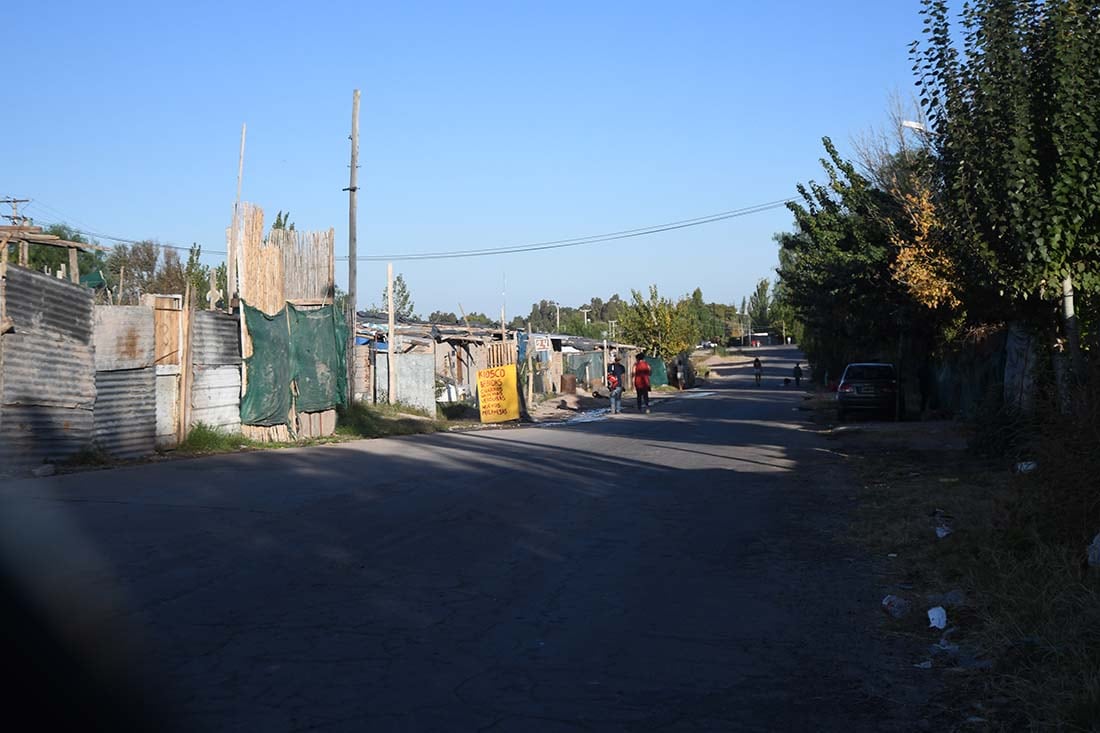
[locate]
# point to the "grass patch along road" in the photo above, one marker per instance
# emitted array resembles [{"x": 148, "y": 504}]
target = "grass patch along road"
[{"x": 1023, "y": 645}]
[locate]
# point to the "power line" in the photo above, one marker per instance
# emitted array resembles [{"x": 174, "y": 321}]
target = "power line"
[
  {"x": 579, "y": 241},
  {"x": 124, "y": 240},
  {"x": 508, "y": 249}
]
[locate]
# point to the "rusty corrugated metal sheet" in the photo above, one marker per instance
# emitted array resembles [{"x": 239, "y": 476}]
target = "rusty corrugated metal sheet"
[
  {"x": 42, "y": 369},
  {"x": 123, "y": 337},
  {"x": 126, "y": 412},
  {"x": 216, "y": 339},
  {"x": 39, "y": 302},
  {"x": 47, "y": 371},
  {"x": 216, "y": 398},
  {"x": 33, "y": 434}
]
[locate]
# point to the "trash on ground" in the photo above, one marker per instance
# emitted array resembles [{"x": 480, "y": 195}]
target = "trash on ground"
[
  {"x": 1094, "y": 552},
  {"x": 926, "y": 664},
  {"x": 47, "y": 470},
  {"x": 937, "y": 618},
  {"x": 1026, "y": 466},
  {"x": 942, "y": 522},
  {"x": 896, "y": 606}
]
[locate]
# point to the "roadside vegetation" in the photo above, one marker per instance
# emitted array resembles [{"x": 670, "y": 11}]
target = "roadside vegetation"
[
  {"x": 362, "y": 420},
  {"x": 1018, "y": 550},
  {"x": 205, "y": 440},
  {"x": 973, "y": 218}
]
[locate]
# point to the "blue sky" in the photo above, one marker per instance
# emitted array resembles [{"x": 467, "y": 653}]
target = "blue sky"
[{"x": 482, "y": 124}]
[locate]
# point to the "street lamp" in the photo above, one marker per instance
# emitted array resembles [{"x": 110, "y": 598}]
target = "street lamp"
[{"x": 918, "y": 126}]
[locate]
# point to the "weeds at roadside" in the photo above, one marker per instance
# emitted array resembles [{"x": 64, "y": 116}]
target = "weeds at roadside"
[
  {"x": 89, "y": 457},
  {"x": 361, "y": 420},
  {"x": 204, "y": 440},
  {"x": 1018, "y": 550}
]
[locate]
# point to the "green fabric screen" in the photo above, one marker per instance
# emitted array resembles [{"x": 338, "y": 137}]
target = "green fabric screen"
[
  {"x": 299, "y": 358},
  {"x": 318, "y": 358},
  {"x": 266, "y": 399},
  {"x": 658, "y": 376}
]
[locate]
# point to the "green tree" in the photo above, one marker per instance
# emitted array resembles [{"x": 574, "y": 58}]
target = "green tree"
[
  {"x": 1015, "y": 114},
  {"x": 658, "y": 325},
  {"x": 442, "y": 318},
  {"x": 835, "y": 270},
  {"x": 402, "y": 300},
  {"x": 282, "y": 221},
  {"x": 760, "y": 305}
]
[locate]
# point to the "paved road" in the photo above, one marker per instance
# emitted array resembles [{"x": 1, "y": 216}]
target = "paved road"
[{"x": 678, "y": 571}]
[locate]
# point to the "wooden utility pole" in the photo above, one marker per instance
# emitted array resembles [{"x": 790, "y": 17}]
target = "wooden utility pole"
[
  {"x": 391, "y": 346},
  {"x": 234, "y": 235},
  {"x": 530, "y": 369},
  {"x": 353, "y": 264}
]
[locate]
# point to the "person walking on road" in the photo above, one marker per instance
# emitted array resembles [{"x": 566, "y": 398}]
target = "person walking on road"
[
  {"x": 757, "y": 370},
  {"x": 641, "y": 374},
  {"x": 797, "y": 375},
  {"x": 616, "y": 372}
]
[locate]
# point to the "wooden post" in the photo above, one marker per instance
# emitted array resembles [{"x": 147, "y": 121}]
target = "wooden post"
[
  {"x": 605, "y": 361},
  {"x": 391, "y": 346},
  {"x": 530, "y": 369},
  {"x": 353, "y": 264},
  {"x": 213, "y": 294},
  {"x": 5, "y": 322},
  {"x": 186, "y": 318},
  {"x": 234, "y": 236},
  {"x": 121, "y": 282},
  {"x": 74, "y": 266},
  {"x": 24, "y": 254}
]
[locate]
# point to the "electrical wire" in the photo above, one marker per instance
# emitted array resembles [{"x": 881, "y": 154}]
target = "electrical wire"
[
  {"x": 490, "y": 251},
  {"x": 576, "y": 241}
]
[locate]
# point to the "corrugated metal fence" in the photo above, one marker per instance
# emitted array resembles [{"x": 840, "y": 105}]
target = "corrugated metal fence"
[
  {"x": 47, "y": 382},
  {"x": 125, "y": 380},
  {"x": 216, "y": 356}
]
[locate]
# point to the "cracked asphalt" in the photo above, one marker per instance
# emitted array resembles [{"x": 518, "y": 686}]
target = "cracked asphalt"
[{"x": 678, "y": 571}]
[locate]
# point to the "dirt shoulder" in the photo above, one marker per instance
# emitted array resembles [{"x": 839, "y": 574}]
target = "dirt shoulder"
[{"x": 1019, "y": 643}]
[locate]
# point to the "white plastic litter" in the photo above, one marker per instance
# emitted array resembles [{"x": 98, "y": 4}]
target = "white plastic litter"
[
  {"x": 937, "y": 618},
  {"x": 1094, "y": 552},
  {"x": 1026, "y": 466}
]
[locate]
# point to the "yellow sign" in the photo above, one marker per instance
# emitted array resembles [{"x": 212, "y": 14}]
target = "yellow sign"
[{"x": 498, "y": 394}]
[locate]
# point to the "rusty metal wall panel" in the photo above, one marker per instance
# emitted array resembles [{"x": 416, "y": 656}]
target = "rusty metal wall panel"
[
  {"x": 126, "y": 412},
  {"x": 33, "y": 434},
  {"x": 123, "y": 337},
  {"x": 41, "y": 369},
  {"x": 40, "y": 302},
  {"x": 216, "y": 339},
  {"x": 216, "y": 398}
]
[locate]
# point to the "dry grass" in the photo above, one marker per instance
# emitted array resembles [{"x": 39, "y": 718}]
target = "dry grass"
[{"x": 1017, "y": 551}]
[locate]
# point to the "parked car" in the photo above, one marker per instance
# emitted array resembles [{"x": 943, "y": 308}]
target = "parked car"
[{"x": 868, "y": 387}]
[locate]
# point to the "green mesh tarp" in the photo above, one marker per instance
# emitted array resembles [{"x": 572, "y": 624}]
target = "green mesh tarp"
[
  {"x": 298, "y": 357},
  {"x": 318, "y": 349},
  {"x": 266, "y": 399},
  {"x": 658, "y": 376}
]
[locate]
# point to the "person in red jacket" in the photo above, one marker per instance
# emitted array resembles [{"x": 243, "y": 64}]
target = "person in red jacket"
[{"x": 641, "y": 373}]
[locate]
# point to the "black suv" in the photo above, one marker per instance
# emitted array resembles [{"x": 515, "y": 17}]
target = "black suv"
[{"x": 870, "y": 387}]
